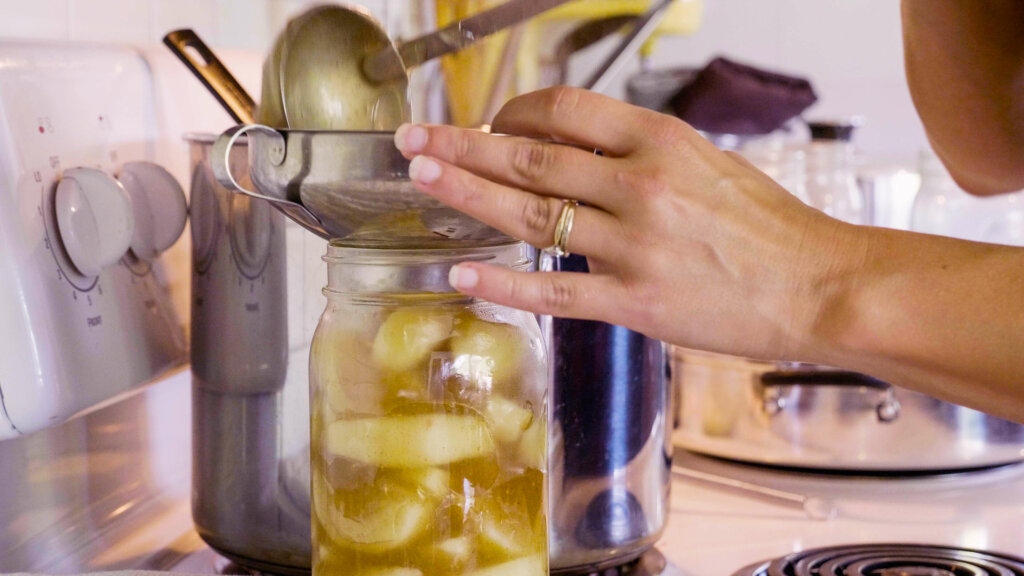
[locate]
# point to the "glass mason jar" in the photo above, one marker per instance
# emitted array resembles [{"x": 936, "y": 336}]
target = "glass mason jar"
[
  {"x": 428, "y": 420},
  {"x": 830, "y": 172}
]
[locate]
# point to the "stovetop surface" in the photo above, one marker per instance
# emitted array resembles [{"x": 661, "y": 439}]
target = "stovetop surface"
[
  {"x": 888, "y": 560},
  {"x": 716, "y": 531},
  {"x": 713, "y": 531}
]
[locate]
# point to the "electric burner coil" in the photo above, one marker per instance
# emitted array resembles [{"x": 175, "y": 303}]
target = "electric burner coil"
[{"x": 888, "y": 560}]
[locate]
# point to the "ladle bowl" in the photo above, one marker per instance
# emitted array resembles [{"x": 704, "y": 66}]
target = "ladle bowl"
[{"x": 313, "y": 77}]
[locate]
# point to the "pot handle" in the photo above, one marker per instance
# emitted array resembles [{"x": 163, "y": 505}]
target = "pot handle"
[{"x": 887, "y": 409}]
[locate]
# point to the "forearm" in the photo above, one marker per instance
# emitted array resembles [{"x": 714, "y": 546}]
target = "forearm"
[
  {"x": 942, "y": 316},
  {"x": 965, "y": 68}
]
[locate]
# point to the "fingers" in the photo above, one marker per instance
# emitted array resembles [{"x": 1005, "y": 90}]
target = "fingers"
[
  {"x": 517, "y": 213},
  {"x": 562, "y": 294},
  {"x": 543, "y": 167},
  {"x": 577, "y": 116}
]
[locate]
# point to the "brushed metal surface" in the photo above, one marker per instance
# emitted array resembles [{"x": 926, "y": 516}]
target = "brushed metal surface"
[
  {"x": 609, "y": 442},
  {"x": 810, "y": 417}
]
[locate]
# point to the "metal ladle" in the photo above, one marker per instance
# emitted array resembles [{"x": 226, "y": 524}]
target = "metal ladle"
[
  {"x": 336, "y": 182},
  {"x": 334, "y": 67}
]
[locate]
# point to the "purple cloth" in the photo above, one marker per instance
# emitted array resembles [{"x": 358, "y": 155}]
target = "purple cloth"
[{"x": 730, "y": 98}]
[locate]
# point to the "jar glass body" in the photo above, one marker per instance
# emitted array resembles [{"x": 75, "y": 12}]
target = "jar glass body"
[
  {"x": 831, "y": 181},
  {"x": 428, "y": 421}
]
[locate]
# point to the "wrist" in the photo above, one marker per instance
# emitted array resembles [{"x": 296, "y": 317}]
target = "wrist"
[{"x": 833, "y": 300}]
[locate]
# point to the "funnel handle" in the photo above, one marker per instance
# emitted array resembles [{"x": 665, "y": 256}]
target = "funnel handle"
[
  {"x": 220, "y": 160},
  {"x": 220, "y": 157}
]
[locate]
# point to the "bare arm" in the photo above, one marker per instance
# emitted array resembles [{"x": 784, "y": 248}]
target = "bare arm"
[
  {"x": 942, "y": 316},
  {"x": 696, "y": 247},
  {"x": 965, "y": 67}
]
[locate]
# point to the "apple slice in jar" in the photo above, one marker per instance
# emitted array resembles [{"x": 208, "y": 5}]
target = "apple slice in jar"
[
  {"x": 505, "y": 518},
  {"x": 375, "y": 518},
  {"x": 535, "y": 565},
  {"x": 396, "y": 571},
  {"x": 332, "y": 562},
  {"x": 507, "y": 419},
  {"x": 433, "y": 482},
  {"x": 408, "y": 336},
  {"x": 341, "y": 364},
  {"x": 487, "y": 353},
  {"x": 448, "y": 556},
  {"x": 413, "y": 441},
  {"x": 532, "y": 448}
]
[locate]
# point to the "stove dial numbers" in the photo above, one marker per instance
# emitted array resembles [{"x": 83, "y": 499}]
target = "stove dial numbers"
[
  {"x": 94, "y": 217},
  {"x": 158, "y": 206}
]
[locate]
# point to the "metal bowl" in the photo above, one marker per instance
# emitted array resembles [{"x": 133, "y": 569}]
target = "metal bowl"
[{"x": 812, "y": 417}]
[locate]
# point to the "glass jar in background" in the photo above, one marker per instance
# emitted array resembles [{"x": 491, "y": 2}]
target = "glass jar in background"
[
  {"x": 889, "y": 190},
  {"x": 428, "y": 419},
  {"x": 1004, "y": 223},
  {"x": 781, "y": 160},
  {"x": 831, "y": 176},
  {"x": 940, "y": 206}
]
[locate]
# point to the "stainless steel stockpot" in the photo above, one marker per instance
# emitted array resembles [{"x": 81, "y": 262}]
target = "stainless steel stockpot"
[
  {"x": 250, "y": 422},
  {"x": 812, "y": 417},
  {"x": 609, "y": 441}
]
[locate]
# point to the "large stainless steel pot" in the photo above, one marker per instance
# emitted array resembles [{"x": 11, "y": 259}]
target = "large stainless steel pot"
[
  {"x": 609, "y": 448},
  {"x": 250, "y": 429},
  {"x": 810, "y": 417}
]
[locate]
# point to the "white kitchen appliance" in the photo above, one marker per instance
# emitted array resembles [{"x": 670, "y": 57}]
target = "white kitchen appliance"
[
  {"x": 86, "y": 317},
  {"x": 84, "y": 213}
]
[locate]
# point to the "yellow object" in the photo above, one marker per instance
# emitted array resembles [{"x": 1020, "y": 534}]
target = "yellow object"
[
  {"x": 409, "y": 335},
  {"x": 410, "y": 441},
  {"x": 507, "y": 419},
  {"x": 487, "y": 353},
  {"x": 357, "y": 519},
  {"x": 682, "y": 17},
  {"x": 469, "y": 73},
  {"x": 526, "y": 566}
]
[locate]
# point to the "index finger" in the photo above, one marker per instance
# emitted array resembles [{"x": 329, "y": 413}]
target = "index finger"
[{"x": 574, "y": 115}]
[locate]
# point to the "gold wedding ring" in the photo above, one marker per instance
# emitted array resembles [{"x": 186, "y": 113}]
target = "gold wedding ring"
[{"x": 562, "y": 230}]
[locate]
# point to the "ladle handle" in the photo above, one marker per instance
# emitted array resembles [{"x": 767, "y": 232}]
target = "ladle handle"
[
  {"x": 187, "y": 45},
  {"x": 382, "y": 66},
  {"x": 643, "y": 27}
]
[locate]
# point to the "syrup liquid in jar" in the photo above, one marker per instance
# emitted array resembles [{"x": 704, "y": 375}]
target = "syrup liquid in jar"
[{"x": 428, "y": 420}]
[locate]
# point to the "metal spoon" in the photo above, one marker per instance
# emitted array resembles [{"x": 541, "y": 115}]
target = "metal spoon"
[
  {"x": 197, "y": 57},
  {"x": 383, "y": 66}
]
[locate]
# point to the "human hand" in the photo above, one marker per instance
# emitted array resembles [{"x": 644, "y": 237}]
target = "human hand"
[{"x": 685, "y": 243}]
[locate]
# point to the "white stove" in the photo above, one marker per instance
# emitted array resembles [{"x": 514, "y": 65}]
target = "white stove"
[
  {"x": 715, "y": 530},
  {"x": 887, "y": 560}
]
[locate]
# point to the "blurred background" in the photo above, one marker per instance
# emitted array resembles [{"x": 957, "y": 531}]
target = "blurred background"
[{"x": 851, "y": 51}]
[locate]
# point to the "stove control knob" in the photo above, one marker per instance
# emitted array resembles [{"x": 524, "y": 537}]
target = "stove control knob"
[
  {"x": 94, "y": 217},
  {"x": 158, "y": 205}
]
